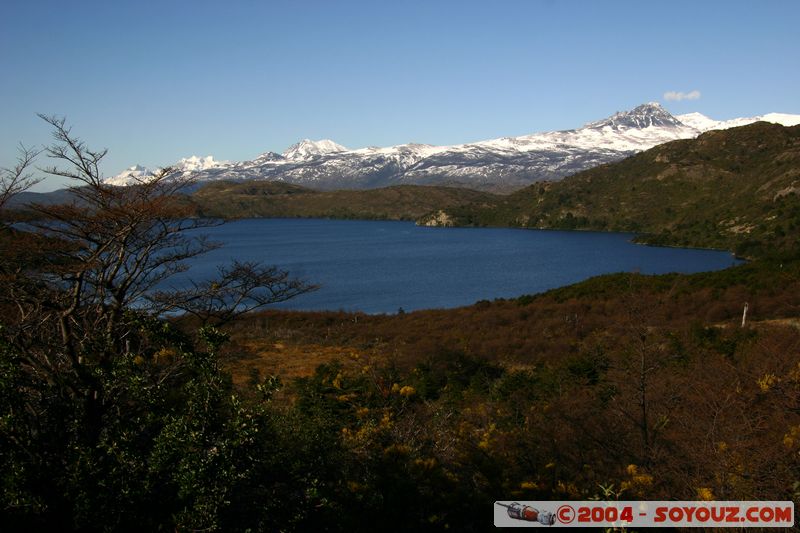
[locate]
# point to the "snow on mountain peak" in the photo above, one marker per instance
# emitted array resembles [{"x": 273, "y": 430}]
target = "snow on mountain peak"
[
  {"x": 698, "y": 121},
  {"x": 131, "y": 175},
  {"x": 194, "y": 163},
  {"x": 703, "y": 123},
  {"x": 268, "y": 156},
  {"x": 186, "y": 165},
  {"x": 504, "y": 163},
  {"x": 647, "y": 115},
  {"x": 307, "y": 148},
  {"x": 784, "y": 119}
]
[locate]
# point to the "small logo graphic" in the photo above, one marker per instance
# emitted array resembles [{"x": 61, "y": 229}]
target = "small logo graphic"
[
  {"x": 527, "y": 513},
  {"x": 641, "y": 514},
  {"x": 565, "y": 514}
]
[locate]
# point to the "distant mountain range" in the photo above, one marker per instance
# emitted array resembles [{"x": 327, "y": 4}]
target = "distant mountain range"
[
  {"x": 733, "y": 189},
  {"x": 501, "y": 164}
]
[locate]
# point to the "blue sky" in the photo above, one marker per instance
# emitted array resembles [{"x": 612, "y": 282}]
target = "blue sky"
[{"x": 156, "y": 81}]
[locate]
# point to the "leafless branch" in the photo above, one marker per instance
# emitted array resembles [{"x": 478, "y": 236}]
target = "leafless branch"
[
  {"x": 238, "y": 288},
  {"x": 18, "y": 179},
  {"x": 86, "y": 263}
]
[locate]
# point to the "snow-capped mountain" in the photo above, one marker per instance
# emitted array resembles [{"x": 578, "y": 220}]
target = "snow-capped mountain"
[
  {"x": 307, "y": 149},
  {"x": 134, "y": 174},
  {"x": 498, "y": 164},
  {"x": 702, "y": 123},
  {"x": 185, "y": 166}
]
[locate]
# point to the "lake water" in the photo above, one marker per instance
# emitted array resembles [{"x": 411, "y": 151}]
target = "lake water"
[{"x": 379, "y": 267}]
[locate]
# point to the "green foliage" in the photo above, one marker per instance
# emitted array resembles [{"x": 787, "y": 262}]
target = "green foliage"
[
  {"x": 723, "y": 342},
  {"x": 179, "y": 450},
  {"x": 589, "y": 367},
  {"x": 282, "y": 200},
  {"x": 734, "y": 189}
]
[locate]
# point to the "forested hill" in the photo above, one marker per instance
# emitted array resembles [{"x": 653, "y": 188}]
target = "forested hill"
[
  {"x": 736, "y": 189},
  {"x": 278, "y": 199}
]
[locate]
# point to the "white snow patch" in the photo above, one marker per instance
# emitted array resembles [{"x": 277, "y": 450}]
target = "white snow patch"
[{"x": 306, "y": 149}]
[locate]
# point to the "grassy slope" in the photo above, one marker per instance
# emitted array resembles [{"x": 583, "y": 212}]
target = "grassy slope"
[
  {"x": 276, "y": 199},
  {"x": 738, "y": 188}
]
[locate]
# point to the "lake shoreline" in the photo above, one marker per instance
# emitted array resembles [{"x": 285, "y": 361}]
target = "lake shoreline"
[{"x": 385, "y": 266}]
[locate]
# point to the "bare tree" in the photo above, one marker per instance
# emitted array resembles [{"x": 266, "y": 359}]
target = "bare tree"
[
  {"x": 17, "y": 179},
  {"x": 237, "y": 288},
  {"x": 78, "y": 279},
  {"x": 643, "y": 402}
]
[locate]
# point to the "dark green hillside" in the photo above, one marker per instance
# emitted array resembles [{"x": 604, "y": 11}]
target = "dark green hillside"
[
  {"x": 278, "y": 199},
  {"x": 737, "y": 188}
]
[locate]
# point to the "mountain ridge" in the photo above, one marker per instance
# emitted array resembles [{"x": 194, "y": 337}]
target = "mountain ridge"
[
  {"x": 735, "y": 189},
  {"x": 499, "y": 165}
]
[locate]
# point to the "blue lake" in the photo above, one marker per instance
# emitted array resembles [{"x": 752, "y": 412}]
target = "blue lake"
[{"x": 379, "y": 267}]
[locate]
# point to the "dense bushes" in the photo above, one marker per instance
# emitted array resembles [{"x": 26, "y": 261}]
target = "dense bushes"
[
  {"x": 621, "y": 391},
  {"x": 111, "y": 417},
  {"x": 422, "y": 442}
]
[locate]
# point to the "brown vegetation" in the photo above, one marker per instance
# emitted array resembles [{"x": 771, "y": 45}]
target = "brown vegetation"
[
  {"x": 542, "y": 328},
  {"x": 623, "y": 386}
]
